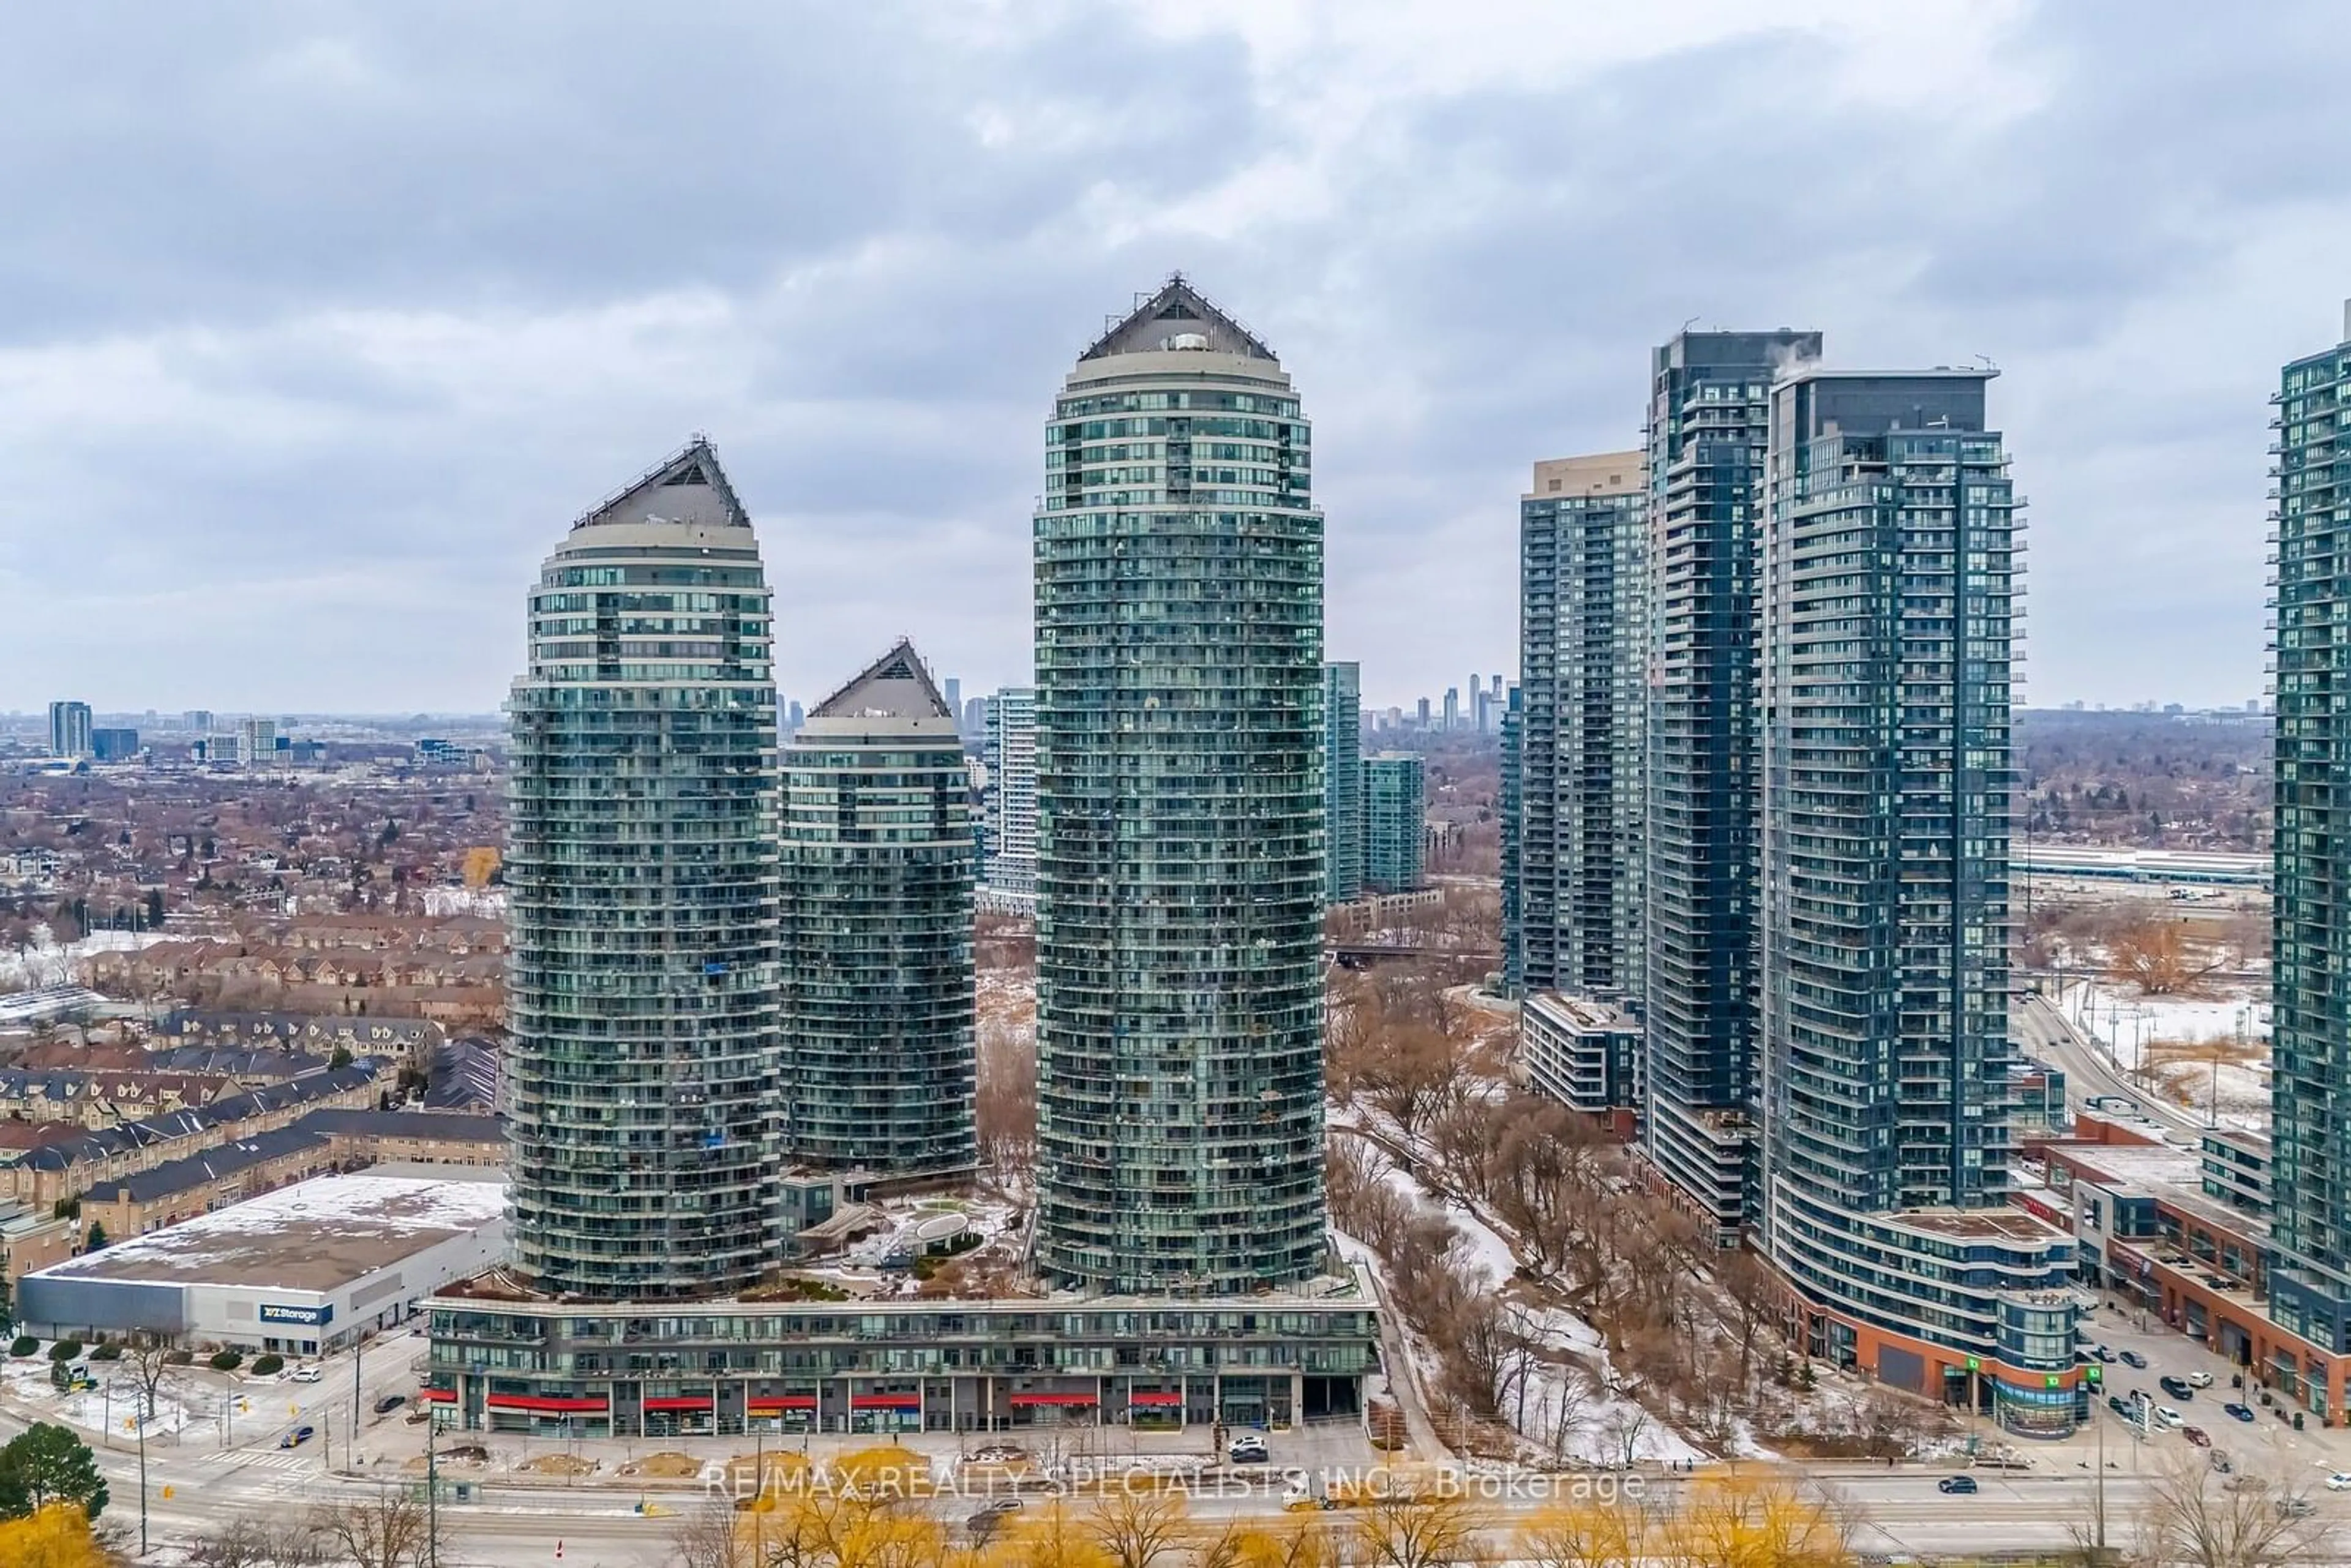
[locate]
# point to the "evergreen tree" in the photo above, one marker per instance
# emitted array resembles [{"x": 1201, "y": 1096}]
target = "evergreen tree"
[{"x": 46, "y": 1463}]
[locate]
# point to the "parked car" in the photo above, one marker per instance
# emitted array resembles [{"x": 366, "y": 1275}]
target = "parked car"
[
  {"x": 1246, "y": 1449},
  {"x": 2167, "y": 1415},
  {"x": 2119, "y": 1405},
  {"x": 390, "y": 1403},
  {"x": 2296, "y": 1507},
  {"x": 2241, "y": 1412},
  {"x": 297, "y": 1437},
  {"x": 2132, "y": 1358},
  {"x": 2175, "y": 1387},
  {"x": 2199, "y": 1380},
  {"x": 1956, "y": 1484},
  {"x": 305, "y": 1374},
  {"x": 2339, "y": 1481},
  {"x": 2103, "y": 1354},
  {"x": 2197, "y": 1436}
]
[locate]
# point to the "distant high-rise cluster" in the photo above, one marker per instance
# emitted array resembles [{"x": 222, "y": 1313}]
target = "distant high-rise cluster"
[
  {"x": 70, "y": 729},
  {"x": 1758, "y": 782}
]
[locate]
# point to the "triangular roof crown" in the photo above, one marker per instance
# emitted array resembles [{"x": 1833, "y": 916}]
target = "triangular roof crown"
[
  {"x": 687, "y": 486},
  {"x": 895, "y": 686},
  {"x": 1178, "y": 317}
]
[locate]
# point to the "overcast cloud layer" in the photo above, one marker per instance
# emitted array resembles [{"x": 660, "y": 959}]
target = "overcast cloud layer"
[{"x": 319, "y": 323}]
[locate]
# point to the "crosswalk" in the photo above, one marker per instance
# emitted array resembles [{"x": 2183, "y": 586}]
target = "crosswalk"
[{"x": 291, "y": 1460}]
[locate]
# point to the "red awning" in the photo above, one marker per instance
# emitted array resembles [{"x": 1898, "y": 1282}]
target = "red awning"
[
  {"x": 1055, "y": 1399},
  {"x": 682, "y": 1402},
  {"x": 1155, "y": 1396},
  {"x": 767, "y": 1405},
  {"x": 437, "y": 1395},
  {"x": 885, "y": 1401},
  {"x": 548, "y": 1407}
]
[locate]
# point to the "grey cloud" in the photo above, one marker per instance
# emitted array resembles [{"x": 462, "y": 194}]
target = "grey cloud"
[{"x": 418, "y": 283}]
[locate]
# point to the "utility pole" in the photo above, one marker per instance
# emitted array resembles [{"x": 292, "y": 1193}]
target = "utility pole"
[
  {"x": 2101, "y": 1503},
  {"x": 352, "y": 1457},
  {"x": 146, "y": 1409},
  {"x": 432, "y": 1492}
]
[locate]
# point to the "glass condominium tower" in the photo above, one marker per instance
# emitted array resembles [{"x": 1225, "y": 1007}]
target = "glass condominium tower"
[
  {"x": 1579, "y": 747},
  {"x": 1885, "y": 603},
  {"x": 643, "y": 883},
  {"x": 1180, "y": 857},
  {"x": 2310, "y": 1274},
  {"x": 877, "y": 1067},
  {"x": 1343, "y": 780},
  {"x": 1709, "y": 399}
]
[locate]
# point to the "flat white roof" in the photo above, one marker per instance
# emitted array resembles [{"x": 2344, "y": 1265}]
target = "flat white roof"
[{"x": 317, "y": 1235}]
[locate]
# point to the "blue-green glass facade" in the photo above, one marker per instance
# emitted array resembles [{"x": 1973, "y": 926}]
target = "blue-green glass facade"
[
  {"x": 1885, "y": 605},
  {"x": 877, "y": 1058},
  {"x": 1180, "y": 861},
  {"x": 1343, "y": 780},
  {"x": 1709, "y": 398},
  {"x": 1580, "y": 544},
  {"x": 1395, "y": 820},
  {"x": 2310, "y": 1274},
  {"x": 642, "y": 881}
]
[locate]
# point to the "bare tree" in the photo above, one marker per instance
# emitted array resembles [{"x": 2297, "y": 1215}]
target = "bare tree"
[
  {"x": 1412, "y": 1532},
  {"x": 712, "y": 1536},
  {"x": 390, "y": 1529},
  {"x": 2194, "y": 1518},
  {"x": 1622, "y": 1426},
  {"x": 1140, "y": 1528}
]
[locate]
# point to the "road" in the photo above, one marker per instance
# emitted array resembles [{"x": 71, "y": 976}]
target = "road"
[{"x": 2044, "y": 1031}]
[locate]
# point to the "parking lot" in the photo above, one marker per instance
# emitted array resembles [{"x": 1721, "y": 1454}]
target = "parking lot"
[{"x": 2267, "y": 1442}]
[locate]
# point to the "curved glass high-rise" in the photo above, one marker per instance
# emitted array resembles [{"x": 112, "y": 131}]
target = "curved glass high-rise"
[
  {"x": 1180, "y": 831},
  {"x": 879, "y": 1010},
  {"x": 643, "y": 883}
]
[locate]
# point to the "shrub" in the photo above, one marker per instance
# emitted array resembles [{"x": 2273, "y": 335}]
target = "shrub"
[
  {"x": 180, "y": 1358},
  {"x": 107, "y": 1352},
  {"x": 24, "y": 1344},
  {"x": 226, "y": 1360},
  {"x": 64, "y": 1350},
  {"x": 268, "y": 1365}
]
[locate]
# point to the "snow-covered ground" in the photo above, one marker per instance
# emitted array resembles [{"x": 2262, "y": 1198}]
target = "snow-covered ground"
[
  {"x": 47, "y": 962},
  {"x": 109, "y": 1410},
  {"x": 2127, "y": 1021},
  {"x": 1566, "y": 1414},
  {"x": 490, "y": 903}
]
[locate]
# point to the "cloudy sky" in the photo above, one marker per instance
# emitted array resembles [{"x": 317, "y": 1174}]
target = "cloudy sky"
[{"x": 320, "y": 322}]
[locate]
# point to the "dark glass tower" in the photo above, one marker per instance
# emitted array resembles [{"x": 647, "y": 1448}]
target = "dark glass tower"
[
  {"x": 1710, "y": 397},
  {"x": 1180, "y": 858},
  {"x": 2309, "y": 1277},
  {"x": 642, "y": 882},
  {"x": 1343, "y": 780},
  {"x": 1579, "y": 869},
  {"x": 878, "y": 1002},
  {"x": 1885, "y": 603}
]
